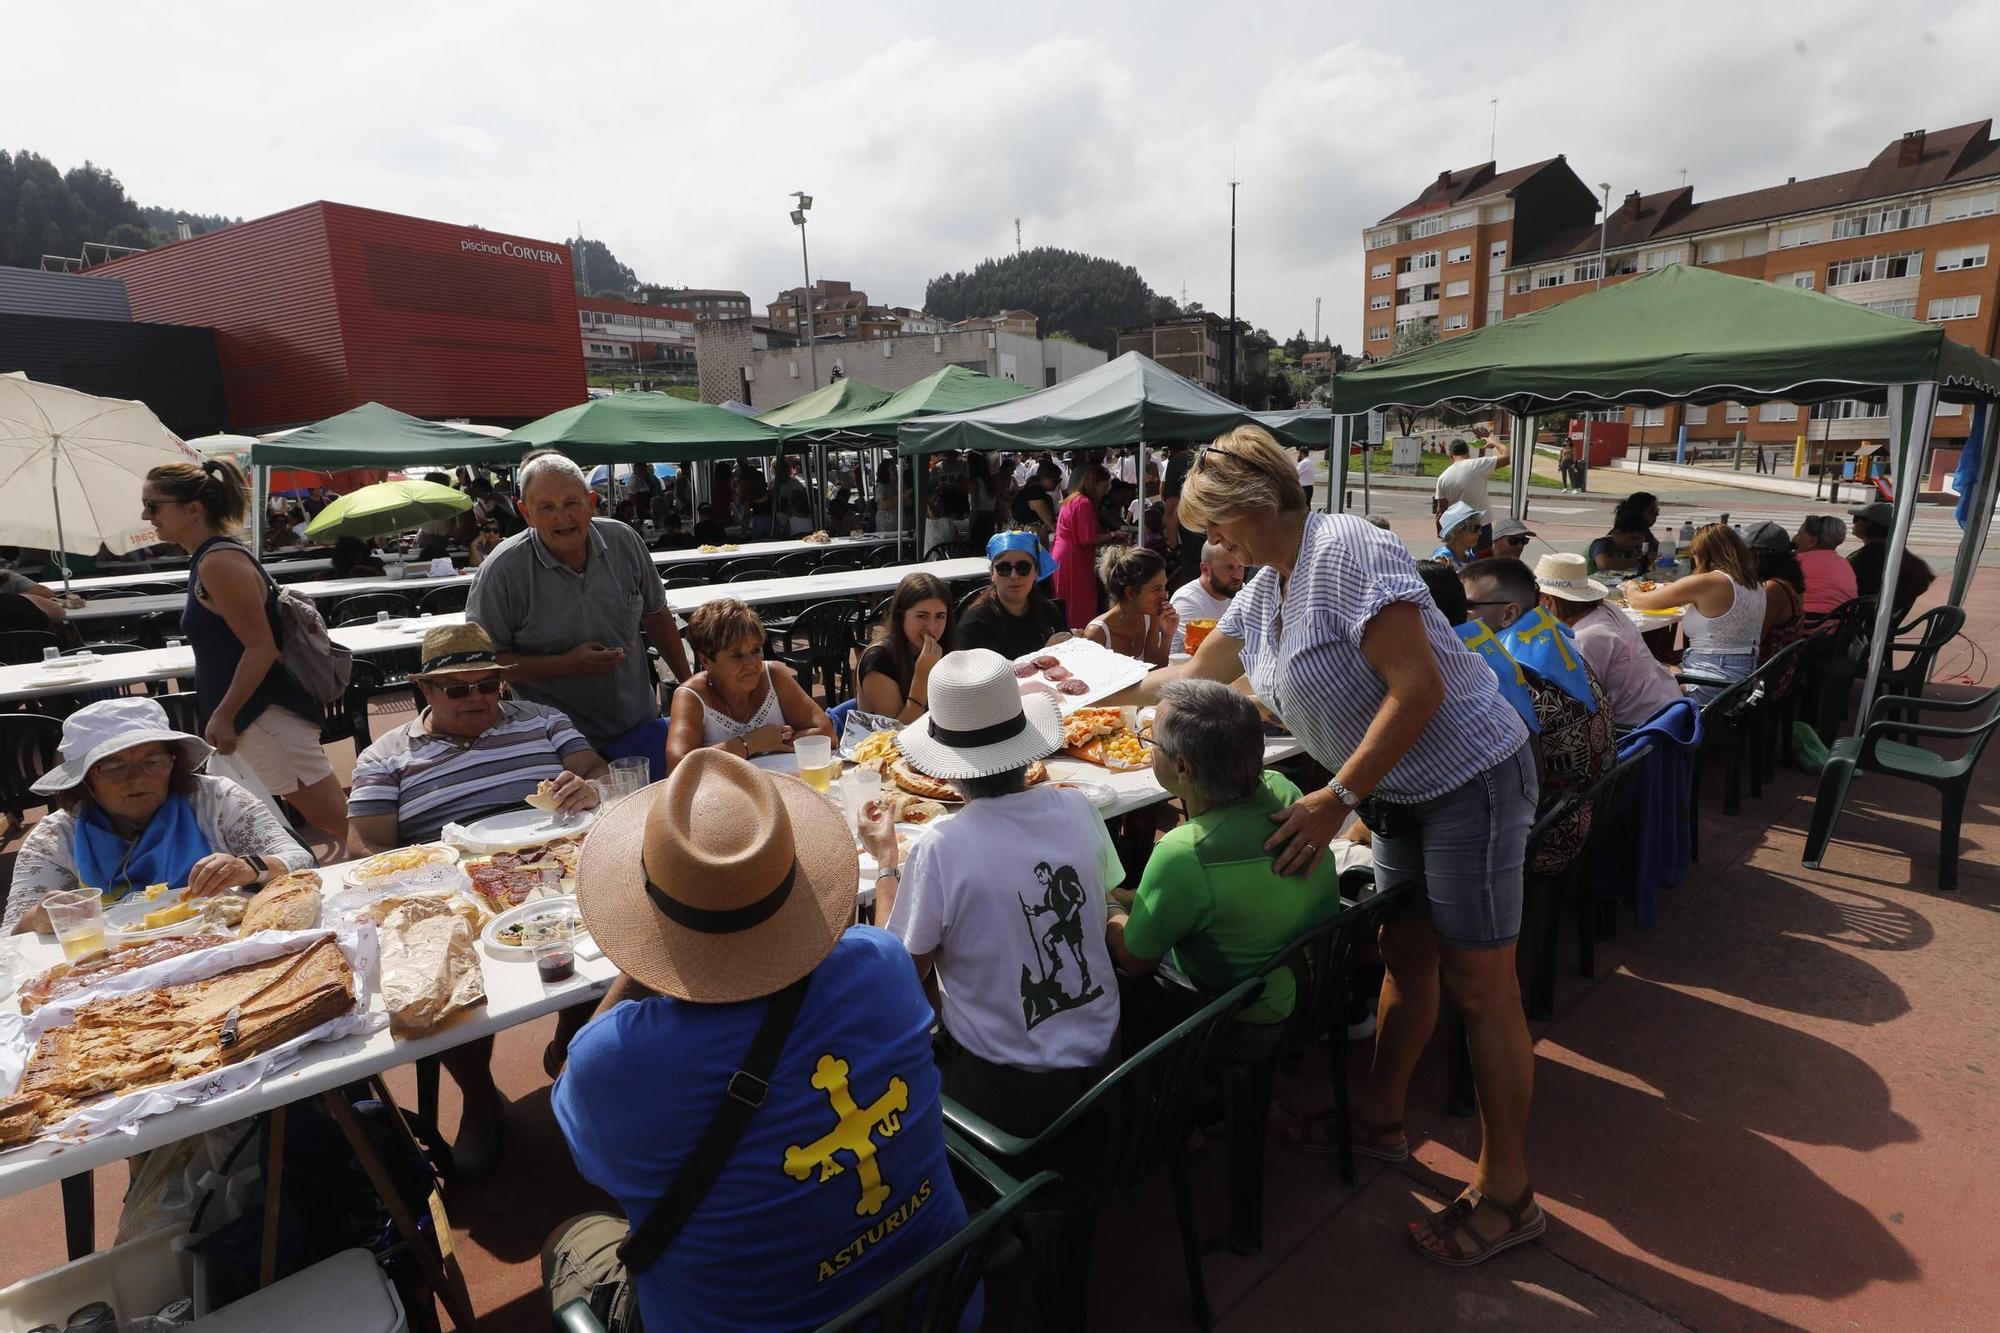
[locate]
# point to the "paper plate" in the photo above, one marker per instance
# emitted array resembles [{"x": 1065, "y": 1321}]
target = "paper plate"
[
  {"x": 520, "y": 828},
  {"x": 1101, "y": 794},
  {"x": 73, "y": 662},
  {"x": 65, "y": 678},
  {"x": 563, "y": 906},
  {"x": 126, "y": 917}
]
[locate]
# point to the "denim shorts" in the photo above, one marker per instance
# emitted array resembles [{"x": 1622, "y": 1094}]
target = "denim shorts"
[
  {"x": 1468, "y": 847},
  {"x": 1721, "y": 666}
]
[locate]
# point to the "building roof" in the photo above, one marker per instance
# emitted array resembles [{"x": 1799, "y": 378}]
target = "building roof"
[
  {"x": 1914, "y": 162},
  {"x": 1455, "y": 187},
  {"x": 705, "y": 294}
]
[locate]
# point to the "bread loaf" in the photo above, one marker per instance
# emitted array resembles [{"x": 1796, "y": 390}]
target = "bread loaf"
[{"x": 290, "y": 902}]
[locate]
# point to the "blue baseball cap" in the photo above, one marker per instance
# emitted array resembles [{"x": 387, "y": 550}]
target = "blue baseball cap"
[{"x": 1002, "y": 542}]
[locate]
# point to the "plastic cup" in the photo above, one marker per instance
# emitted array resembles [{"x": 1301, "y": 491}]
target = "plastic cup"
[
  {"x": 381, "y": 617},
  {"x": 555, "y": 960},
  {"x": 631, "y": 773},
  {"x": 51, "y": 654},
  {"x": 859, "y": 784},
  {"x": 77, "y": 917},
  {"x": 815, "y": 756}
]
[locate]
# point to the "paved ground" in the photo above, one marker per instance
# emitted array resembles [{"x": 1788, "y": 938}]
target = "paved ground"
[{"x": 1775, "y": 1108}]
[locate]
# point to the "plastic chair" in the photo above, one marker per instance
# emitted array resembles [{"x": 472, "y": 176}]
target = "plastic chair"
[
  {"x": 1934, "y": 629},
  {"x": 828, "y": 631},
  {"x": 1322, "y": 963},
  {"x": 1602, "y": 797},
  {"x": 365, "y": 606},
  {"x": 965, "y": 603},
  {"x": 796, "y": 563},
  {"x": 28, "y": 745},
  {"x": 23, "y": 647},
  {"x": 1149, "y": 1094},
  {"x": 1874, "y": 752},
  {"x": 1839, "y": 663},
  {"x": 183, "y": 711},
  {"x": 882, "y": 556},
  {"x": 951, "y": 551},
  {"x": 347, "y": 719},
  {"x": 748, "y": 576},
  {"x": 445, "y": 601},
  {"x": 727, "y": 571}
]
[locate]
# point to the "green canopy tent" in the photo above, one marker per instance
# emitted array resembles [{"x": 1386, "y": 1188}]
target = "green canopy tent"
[
  {"x": 843, "y": 395},
  {"x": 1693, "y": 335},
  {"x": 372, "y": 435},
  {"x": 644, "y": 428}
]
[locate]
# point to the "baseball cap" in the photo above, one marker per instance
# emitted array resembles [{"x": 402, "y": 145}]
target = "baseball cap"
[
  {"x": 1511, "y": 527},
  {"x": 1882, "y": 514}
]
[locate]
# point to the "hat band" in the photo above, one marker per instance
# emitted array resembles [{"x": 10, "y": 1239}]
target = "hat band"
[
  {"x": 472, "y": 655},
  {"x": 727, "y": 920},
  {"x": 978, "y": 736}
]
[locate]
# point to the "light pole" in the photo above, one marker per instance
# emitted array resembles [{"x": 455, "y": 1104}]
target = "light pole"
[
  {"x": 805, "y": 263},
  {"x": 1603, "y": 225}
]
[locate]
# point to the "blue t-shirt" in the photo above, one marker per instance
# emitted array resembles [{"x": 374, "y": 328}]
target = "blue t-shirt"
[{"x": 796, "y": 1228}]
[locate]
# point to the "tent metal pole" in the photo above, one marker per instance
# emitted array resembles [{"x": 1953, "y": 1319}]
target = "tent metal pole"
[
  {"x": 896, "y": 480},
  {"x": 917, "y": 503},
  {"x": 1524, "y": 464},
  {"x": 55, "y": 499},
  {"x": 1910, "y": 409},
  {"x": 1140, "y": 481},
  {"x": 1981, "y": 517},
  {"x": 1336, "y": 464},
  {"x": 260, "y": 508}
]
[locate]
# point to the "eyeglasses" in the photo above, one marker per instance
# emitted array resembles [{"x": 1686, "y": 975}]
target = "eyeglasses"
[
  {"x": 463, "y": 690},
  {"x": 149, "y": 507},
  {"x": 157, "y": 766},
  {"x": 1013, "y": 569}
]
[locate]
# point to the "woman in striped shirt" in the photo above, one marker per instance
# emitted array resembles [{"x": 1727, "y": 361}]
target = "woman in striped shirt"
[{"x": 1339, "y": 637}]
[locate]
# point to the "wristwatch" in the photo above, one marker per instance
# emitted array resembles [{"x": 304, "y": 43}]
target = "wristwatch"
[
  {"x": 259, "y": 867},
  {"x": 889, "y": 872},
  {"x": 1347, "y": 798}
]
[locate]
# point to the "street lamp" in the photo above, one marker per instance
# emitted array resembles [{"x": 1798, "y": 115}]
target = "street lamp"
[
  {"x": 810, "y": 326},
  {"x": 1603, "y": 225}
]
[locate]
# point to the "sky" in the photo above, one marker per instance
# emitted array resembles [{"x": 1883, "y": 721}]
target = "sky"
[{"x": 675, "y": 132}]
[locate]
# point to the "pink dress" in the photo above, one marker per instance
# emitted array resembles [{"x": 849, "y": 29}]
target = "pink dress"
[{"x": 1077, "y": 534}]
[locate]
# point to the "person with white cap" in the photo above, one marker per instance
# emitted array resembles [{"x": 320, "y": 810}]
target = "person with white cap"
[
  {"x": 1510, "y": 539},
  {"x": 757, "y": 1091},
  {"x": 1458, "y": 535},
  {"x": 1637, "y": 685},
  {"x": 1874, "y": 524},
  {"x": 132, "y": 808},
  {"x": 1006, "y": 901}
]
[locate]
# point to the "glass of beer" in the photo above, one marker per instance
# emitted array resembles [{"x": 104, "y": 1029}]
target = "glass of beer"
[
  {"x": 77, "y": 917},
  {"x": 816, "y": 762},
  {"x": 1197, "y": 630}
]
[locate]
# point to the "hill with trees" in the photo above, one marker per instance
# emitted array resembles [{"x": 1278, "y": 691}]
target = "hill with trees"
[
  {"x": 597, "y": 271},
  {"x": 1085, "y": 296},
  {"x": 44, "y": 211}
]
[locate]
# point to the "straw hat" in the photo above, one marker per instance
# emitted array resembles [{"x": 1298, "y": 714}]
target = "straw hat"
[
  {"x": 1567, "y": 576},
  {"x": 979, "y": 724},
  {"x": 457, "y": 650},
  {"x": 722, "y": 883},
  {"x": 100, "y": 730}
]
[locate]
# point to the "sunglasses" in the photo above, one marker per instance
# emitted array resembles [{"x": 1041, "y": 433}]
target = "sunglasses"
[
  {"x": 1013, "y": 569},
  {"x": 150, "y": 507},
  {"x": 465, "y": 691}
]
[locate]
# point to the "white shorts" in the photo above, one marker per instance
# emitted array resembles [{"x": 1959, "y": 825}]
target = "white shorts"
[{"x": 284, "y": 750}]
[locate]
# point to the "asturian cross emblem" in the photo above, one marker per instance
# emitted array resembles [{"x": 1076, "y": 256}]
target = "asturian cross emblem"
[{"x": 855, "y": 1133}]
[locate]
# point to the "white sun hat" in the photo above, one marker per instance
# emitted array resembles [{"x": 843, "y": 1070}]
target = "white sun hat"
[
  {"x": 979, "y": 724},
  {"x": 100, "y": 730}
]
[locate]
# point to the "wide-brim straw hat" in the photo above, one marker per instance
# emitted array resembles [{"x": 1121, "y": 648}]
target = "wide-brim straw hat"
[
  {"x": 98, "y": 731},
  {"x": 722, "y": 883},
  {"x": 979, "y": 724},
  {"x": 1567, "y": 575},
  {"x": 455, "y": 650}
]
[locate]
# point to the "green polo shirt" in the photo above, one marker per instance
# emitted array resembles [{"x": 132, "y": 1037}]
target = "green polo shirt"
[{"x": 1210, "y": 894}]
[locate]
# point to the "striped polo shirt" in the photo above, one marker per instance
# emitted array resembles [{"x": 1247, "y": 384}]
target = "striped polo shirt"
[
  {"x": 427, "y": 781},
  {"x": 1313, "y": 676}
]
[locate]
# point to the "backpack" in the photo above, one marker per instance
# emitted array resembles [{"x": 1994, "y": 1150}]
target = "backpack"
[{"x": 305, "y": 650}]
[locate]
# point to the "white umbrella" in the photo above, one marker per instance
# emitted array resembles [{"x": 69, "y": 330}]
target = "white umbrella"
[{"x": 71, "y": 468}]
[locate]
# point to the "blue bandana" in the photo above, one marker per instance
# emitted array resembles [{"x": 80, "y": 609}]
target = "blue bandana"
[
  {"x": 1513, "y": 683},
  {"x": 1002, "y": 542},
  {"x": 163, "y": 853},
  {"x": 1547, "y": 647}
]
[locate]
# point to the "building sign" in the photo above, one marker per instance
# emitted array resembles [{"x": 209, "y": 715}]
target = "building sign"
[{"x": 511, "y": 250}]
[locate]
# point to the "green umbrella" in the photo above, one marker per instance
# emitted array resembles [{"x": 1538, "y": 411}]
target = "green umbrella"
[{"x": 386, "y": 507}]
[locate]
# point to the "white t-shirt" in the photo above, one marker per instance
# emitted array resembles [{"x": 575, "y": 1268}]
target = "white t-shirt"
[
  {"x": 1466, "y": 481},
  {"x": 1193, "y": 601},
  {"x": 1308, "y": 472},
  {"x": 1009, "y": 893}
]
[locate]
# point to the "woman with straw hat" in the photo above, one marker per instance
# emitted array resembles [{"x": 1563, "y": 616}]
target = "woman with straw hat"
[{"x": 748, "y": 999}]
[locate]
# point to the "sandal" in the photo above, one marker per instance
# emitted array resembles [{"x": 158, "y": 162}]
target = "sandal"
[
  {"x": 1318, "y": 1133},
  {"x": 1525, "y": 1221}
]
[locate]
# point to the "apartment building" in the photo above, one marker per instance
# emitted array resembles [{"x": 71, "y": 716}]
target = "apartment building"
[
  {"x": 629, "y": 333},
  {"x": 1196, "y": 347},
  {"x": 1910, "y": 233}
]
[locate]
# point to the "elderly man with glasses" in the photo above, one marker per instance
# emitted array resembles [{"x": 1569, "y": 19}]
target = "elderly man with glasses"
[{"x": 471, "y": 751}]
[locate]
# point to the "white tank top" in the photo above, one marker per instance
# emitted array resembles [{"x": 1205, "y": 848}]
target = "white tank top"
[
  {"x": 717, "y": 727},
  {"x": 1145, "y": 628},
  {"x": 1733, "y": 633}
]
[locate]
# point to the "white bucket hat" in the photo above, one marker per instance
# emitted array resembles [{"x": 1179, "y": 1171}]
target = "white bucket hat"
[
  {"x": 1567, "y": 575},
  {"x": 100, "y": 730},
  {"x": 979, "y": 723}
]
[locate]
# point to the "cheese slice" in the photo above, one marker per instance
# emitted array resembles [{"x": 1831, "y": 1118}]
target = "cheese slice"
[{"x": 167, "y": 916}]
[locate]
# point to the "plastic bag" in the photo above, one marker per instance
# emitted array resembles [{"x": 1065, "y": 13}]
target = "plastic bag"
[
  {"x": 1809, "y": 752},
  {"x": 860, "y": 726},
  {"x": 430, "y": 963}
]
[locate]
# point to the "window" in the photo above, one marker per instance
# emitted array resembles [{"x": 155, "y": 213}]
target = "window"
[
  {"x": 1429, "y": 226},
  {"x": 1379, "y": 333},
  {"x": 1756, "y": 243},
  {"x": 1804, "y": 280},
  {"x": 1711, "y": 252},
  {"x": 1778, "y": 412},
  {"x": 1456, "y": 321},
  {"x": 1521, "y": 283},
  {"x": 1378, "y": 239},
  {"x": 1875, "y": 268},
  {"x": 1790, "y": 238},
  {"x": 1586, "y": 271},
  {"x": 1660, "y": 258},
  {"x": 1502, "y": 212},
  {"x": 1379, "y": 270},
  {"x": 1964, "y": 256},
  {"x": 1649, "y": 416},
  {"x": 1953, "y": 307},
  {"x": 1894, "y": 218},
  {"x": 1844, "y": 409},
  {"x": 1462, "y": 255},
  {"x": 1552, "y": 278},
  {"x": 1459, "y": 288},
  {"x": 1969, "y": 206},
  {"x": 1379, "y": 301},
  {"x": 1497, "y": 252},
  {"x": 1495, "y": 313},
  {"x": 1949, "y": 409},
  {"x": 1417, "y": 263},
  {"x": 1695, "y": 415},
  {"x": 1468, "y": 217},
  {"x": 1906, "y": 308},
  {"x": 1735, "y": 413}
]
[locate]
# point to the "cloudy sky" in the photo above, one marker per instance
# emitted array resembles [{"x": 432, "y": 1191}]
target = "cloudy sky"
[{"x": 675, "y": 132}]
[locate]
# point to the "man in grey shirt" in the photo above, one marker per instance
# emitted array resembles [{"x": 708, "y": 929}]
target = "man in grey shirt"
[{"x": 571, "y": 604}]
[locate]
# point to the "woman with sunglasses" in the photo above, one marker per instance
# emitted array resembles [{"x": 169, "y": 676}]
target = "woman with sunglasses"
[
  {"x": 1012, "y": 616},
  {"x": 255, "y": 709},
  {"x": 483, "y": 541}
]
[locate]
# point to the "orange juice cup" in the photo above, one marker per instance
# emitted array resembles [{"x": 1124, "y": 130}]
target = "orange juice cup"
[{"x": 1197, "y": 630}]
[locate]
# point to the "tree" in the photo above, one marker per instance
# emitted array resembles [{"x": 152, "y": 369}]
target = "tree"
[
  {"x": 598, "y": 272},
  {"x": 1412, "y": 335},
  {"x": 1298, "y": 345},
  {"x": 1085, "y": 296},
  {"x": 47, "y": 212}
]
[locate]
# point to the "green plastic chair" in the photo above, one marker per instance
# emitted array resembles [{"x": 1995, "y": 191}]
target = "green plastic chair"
[{"x": 1874, "y": 752}]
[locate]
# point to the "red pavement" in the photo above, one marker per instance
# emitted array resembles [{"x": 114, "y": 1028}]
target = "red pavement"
[{"x": 1775, "y": 1108}]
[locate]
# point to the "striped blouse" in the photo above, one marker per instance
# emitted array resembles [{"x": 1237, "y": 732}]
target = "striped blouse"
[
  {"x": 427, "y": 781},
  {"x": 1312, "y": 675}
]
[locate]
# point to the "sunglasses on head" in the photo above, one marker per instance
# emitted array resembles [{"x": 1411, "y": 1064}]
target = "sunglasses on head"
[
  {"x": 1009, "y": 569},
  {"x": 463, "y": 690}
]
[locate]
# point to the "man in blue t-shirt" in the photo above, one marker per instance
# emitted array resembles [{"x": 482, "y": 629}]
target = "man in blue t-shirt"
[{"x": 720, "y": 894}]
